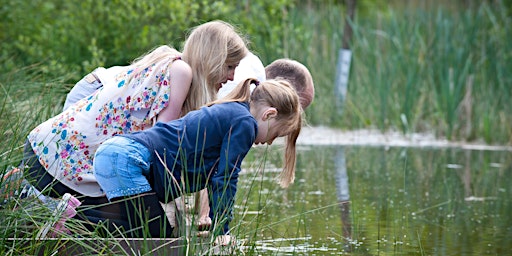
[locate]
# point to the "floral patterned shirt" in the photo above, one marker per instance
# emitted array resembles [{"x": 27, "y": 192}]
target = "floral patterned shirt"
[{"x": 65, "y": 144}]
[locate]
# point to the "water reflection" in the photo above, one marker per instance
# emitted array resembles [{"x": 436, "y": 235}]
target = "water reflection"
[
  {"x": 343, "y": 195},
  {"x": 400, "y": 201}
]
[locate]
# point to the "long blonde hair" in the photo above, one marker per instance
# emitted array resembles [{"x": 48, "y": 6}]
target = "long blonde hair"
[
  {"x": 209, "y": 50},
  {"x": 280, "y": 94}
]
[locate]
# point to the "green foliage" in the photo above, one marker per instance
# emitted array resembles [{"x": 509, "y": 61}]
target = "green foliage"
[
  {"x": 71, "y": 38},
  {"x": 413, "y": 63},
  {"x": 436, "y": 70}
]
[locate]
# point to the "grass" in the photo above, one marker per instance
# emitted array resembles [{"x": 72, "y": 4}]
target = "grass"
[{"x": 415, "y": 70}]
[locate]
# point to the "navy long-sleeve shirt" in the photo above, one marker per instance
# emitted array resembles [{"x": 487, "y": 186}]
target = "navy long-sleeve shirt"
[{"x": 205, "y": 148}]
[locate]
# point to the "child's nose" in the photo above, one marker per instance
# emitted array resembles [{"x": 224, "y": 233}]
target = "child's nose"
[{"x": 231, "y": 75}]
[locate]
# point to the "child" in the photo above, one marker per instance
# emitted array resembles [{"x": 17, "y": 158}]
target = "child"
[
  {"x": 297, "y": 75},
  {"x": 162, "y": 85},
  {"x": 205, "y": 148},
  {"x": 290, "y": 70}
]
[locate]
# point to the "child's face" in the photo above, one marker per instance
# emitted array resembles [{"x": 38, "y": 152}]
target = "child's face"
[
  {"x": 268, "y": 128},
  {"x": 230, "y": 75}
]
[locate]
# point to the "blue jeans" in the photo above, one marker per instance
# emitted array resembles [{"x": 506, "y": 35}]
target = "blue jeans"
[
  {"x": 83, "y": 88},
  {"x": 121, "y": 165}
]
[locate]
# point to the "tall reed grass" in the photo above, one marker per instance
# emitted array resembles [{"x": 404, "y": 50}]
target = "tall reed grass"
[
  {"x": 26, "y": 99},
  {"x": 440, "y": 70}
]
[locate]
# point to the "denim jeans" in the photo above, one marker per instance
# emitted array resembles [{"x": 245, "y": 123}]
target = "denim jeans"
[
  {"x": 82, "y": 89},
  {"x": 121, "y": 165}
]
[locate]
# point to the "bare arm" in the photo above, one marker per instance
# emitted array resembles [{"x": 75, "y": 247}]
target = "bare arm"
[{"x": 181, "y": 79}]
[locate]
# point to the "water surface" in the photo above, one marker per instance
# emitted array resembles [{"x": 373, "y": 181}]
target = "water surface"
[{"x": 377, "y": 201}]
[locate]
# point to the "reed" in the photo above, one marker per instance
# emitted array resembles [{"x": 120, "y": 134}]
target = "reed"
[{"x": 412, "y": 69}]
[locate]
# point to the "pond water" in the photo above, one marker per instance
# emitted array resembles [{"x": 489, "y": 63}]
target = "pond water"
[{"x": 363, "y": 200}]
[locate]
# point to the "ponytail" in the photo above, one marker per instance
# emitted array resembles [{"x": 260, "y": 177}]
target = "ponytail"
[
  {"x": 241, "y": 93},
  {"x": 287, "y": 176}
]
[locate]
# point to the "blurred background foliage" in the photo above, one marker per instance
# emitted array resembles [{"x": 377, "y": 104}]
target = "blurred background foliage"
[
  {"x": 70, "y": 38},
  {"x": 418, "y": 66}
]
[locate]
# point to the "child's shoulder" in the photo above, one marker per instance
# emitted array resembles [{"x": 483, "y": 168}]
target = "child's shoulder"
[
  {"x": 230, "y": 109},
  {"x": 234, "y": 106}
]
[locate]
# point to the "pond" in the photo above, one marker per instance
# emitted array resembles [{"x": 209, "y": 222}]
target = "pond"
[{"x": 362, "y": 200}]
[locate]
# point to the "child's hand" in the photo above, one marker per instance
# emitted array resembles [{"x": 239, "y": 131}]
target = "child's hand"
[
  {"x": 204, "y": 223},
  {"x": 225, "y": 240},
  {"x": 203, "y": 234}
]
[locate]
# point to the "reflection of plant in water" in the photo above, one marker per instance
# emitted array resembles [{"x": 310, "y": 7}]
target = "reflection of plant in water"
[{"x": 403, "y": 200}]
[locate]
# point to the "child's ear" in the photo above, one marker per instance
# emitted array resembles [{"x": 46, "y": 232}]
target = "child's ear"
[{"x": 269, "y": 113}]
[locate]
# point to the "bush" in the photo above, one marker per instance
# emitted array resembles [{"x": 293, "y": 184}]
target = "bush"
[{"x": 70, "y": 38}]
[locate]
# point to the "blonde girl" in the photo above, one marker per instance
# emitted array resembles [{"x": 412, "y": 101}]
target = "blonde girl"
[{"x": 159, "y": 86}]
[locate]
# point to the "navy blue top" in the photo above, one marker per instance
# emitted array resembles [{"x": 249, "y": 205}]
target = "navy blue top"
[{"x": 204, "y": 148}]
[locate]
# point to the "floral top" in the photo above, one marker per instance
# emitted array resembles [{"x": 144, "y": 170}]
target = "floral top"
[{"x": 66, "y": 143}]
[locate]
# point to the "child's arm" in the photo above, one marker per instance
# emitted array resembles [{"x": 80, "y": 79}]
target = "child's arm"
[
  {"x": 236, "y": 144},
  {"x": 181, "y": 78}
]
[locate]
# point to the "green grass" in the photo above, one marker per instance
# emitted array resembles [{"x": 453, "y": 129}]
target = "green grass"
[{"x": 25, "y": 101}]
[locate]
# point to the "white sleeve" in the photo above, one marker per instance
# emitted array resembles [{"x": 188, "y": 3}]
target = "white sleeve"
[
  {"x": 250, "y": 67},
  {"x": 107, "y": 76}
]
